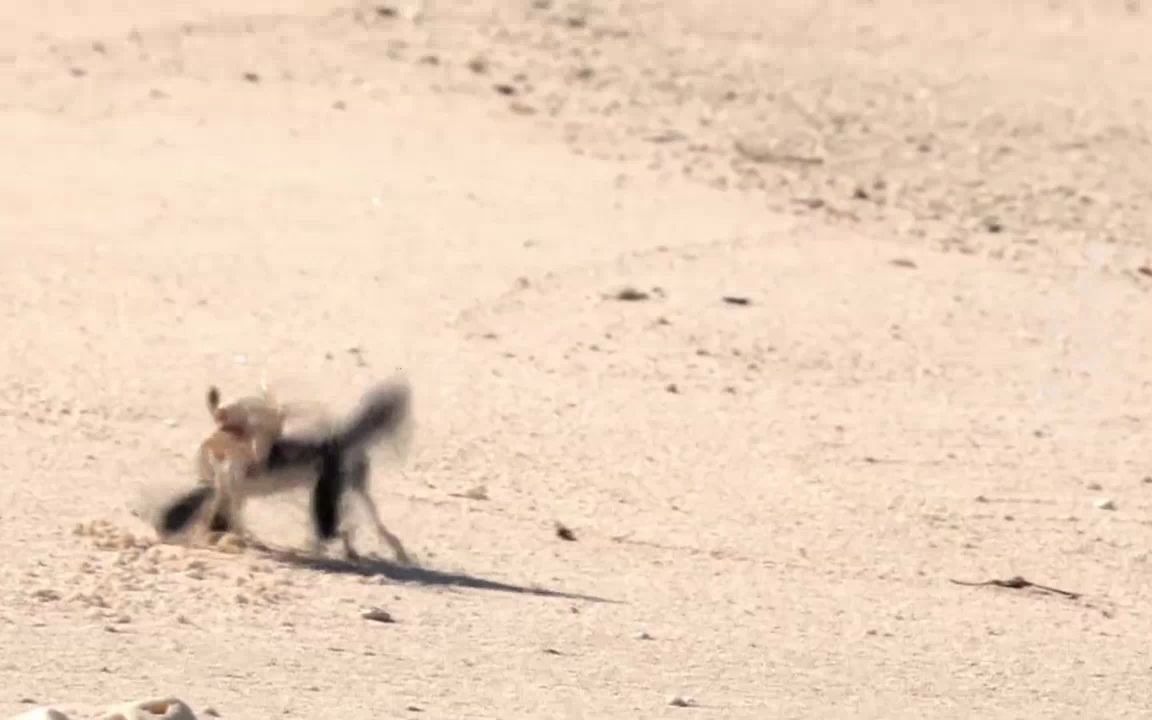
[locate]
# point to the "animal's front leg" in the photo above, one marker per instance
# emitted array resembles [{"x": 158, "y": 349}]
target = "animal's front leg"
[{"x": 227, "y": 519}]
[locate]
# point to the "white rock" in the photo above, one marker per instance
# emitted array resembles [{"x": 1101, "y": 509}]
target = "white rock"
[
  {"x": 41, "y": 713},
  {"x": 1104, "y": 504},
  {"x": 156, "y": 709}
]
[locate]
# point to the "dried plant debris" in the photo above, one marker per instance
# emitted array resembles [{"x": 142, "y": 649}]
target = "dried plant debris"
[
  {"x": 1018, "y": 583},
  {"x": 480, "y": 492}
]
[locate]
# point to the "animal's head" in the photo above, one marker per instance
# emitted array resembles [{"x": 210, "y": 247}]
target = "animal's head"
[{"x": 259, "y": 414}]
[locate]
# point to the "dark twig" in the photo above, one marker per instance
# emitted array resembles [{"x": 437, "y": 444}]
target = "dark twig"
[{"x": 1018, "y": 583}]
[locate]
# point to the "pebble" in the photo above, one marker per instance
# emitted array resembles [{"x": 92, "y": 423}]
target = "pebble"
[
  {"x": 1104, "y": 504},
  {"x": 378, "y": 615}
]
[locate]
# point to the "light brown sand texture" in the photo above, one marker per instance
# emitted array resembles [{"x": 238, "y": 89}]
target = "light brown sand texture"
[{"x": 736, "y": 331}]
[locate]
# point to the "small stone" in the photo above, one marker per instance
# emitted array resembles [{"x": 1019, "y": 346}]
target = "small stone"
[
  {"x": 565, "y": 533},
  {"x": 791, "y": 151},
  {"x": 252, "y": 77},
  {"x": 643, "y": 635},
  {"x": 1094, "y": 486},
  {"x": 379, "y": 615},
  {"x": 43, "y": 713},
  {"x": 480, "y": 492},
  {"x": 1104, "y": 504},
  {"x": 630, "y": 294},
  {"x": 163, "y": 708},
  {"x": 46, "y": 595},
  {"x": 682, "y": 701}
]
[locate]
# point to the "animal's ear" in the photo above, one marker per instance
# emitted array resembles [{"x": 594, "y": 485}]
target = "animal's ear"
[{"x": 266, "y": 391}]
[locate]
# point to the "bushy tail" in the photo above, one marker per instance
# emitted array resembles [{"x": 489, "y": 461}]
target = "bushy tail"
[
  {"x": 381, "y": 412},
  {"x": 176, "y": 516}
]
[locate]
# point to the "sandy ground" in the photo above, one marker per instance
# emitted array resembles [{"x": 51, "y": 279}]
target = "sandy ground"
[{"x": 936, "y": 212}]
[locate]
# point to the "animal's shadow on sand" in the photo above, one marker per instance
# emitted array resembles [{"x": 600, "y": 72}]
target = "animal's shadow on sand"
[{"x": 417, "y": 574}]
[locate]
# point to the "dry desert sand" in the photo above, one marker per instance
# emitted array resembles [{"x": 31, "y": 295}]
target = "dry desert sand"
[{"x": 937, "y": 215}]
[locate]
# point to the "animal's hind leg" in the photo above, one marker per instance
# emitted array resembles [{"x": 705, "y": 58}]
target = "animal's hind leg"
[
  {"x": 392, "y": 540},
  {"x": 349, "y": 551}
]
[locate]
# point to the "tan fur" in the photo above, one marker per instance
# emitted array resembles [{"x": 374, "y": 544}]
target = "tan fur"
[{"x": 245, "y": 431}]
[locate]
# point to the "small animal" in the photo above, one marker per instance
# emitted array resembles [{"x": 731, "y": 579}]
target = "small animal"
[
  {"x": 334, "y": 463},
  {"x": 234, "y": 454}
]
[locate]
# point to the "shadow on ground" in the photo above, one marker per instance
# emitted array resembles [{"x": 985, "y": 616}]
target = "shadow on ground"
[{"x": 418, "y": 575}]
